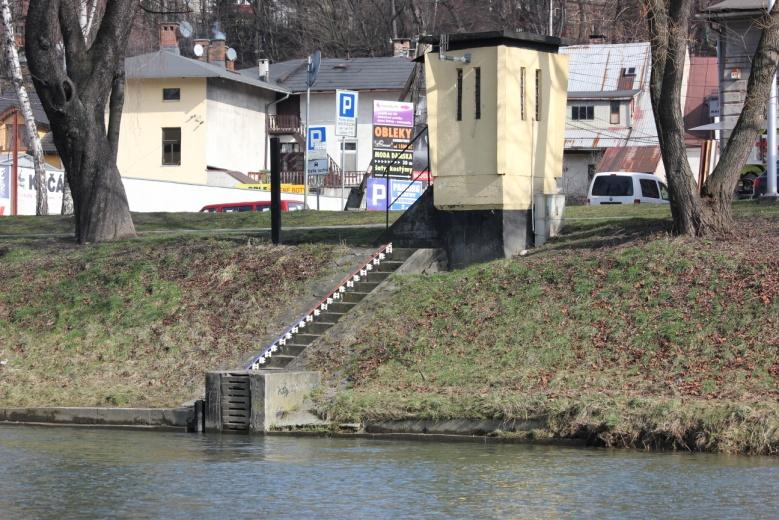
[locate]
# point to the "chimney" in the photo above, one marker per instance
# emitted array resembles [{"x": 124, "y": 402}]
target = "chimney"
[
  {"x": 401, "y": 46},
  {"x": 264, "y": 70},
  {"x": 205, "y": 43},
  {"x": 169, "y": 40},
  {"x": 216, "y": 52}
]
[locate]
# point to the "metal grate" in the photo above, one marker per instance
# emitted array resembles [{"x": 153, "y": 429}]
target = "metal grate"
[{"x": 236, "y": 402}]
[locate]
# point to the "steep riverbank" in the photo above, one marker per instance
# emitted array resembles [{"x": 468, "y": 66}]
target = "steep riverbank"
[{"x": 609, "y": 334}]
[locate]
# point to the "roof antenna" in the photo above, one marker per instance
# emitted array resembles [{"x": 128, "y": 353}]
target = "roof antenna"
[{"x": 443, "y": 46}]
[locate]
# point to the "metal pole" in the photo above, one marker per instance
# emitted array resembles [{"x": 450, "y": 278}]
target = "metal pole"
[
  {"x": 275, "y": 191},
  {"x": 387, "y": 195},
  {"x": 305, "y": 157},
  {"x": 15, "y": 181},
  {"x": 551, "y": 10},
  {"x": 770, "y": 191},
  {"x": 343, "y": 171}
]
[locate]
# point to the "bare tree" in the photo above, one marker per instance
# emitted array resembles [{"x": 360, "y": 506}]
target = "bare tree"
[
  {"x": 75, "y": 98},
  {"x": 31, "y": 130},
  {"x": 709, "y": 212}
]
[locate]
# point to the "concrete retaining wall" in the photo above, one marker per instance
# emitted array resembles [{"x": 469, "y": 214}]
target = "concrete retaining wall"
[{"x": 157, "y": 418}]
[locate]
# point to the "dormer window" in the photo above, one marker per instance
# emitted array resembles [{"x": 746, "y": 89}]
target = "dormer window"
[{"x": 629, "y": 71}]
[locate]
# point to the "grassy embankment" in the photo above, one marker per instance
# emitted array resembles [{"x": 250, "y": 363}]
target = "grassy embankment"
[
  {"x": 616, "y": 332},
  {"x": 137, "y": 323}
]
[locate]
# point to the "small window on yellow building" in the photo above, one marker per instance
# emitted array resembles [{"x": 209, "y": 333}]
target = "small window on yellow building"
[
  {"x": 522, "y": 95},
  {"x": 171, "y": 146},
  {"x": 171, "y": 94},
  {"x": 477, "y": 91},
  {"x": 459, "y": 94},
  {"x": 539, "y": 100}
]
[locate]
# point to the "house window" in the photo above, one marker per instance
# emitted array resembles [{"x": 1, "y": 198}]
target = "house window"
[
  {"x": 522, "y": 96},
  {"x": 477, "y": 92},
  {"x": 538, "y": 95},
  {"x": 583, "y": 112},
  {"x": 171, "y": 94},
  {"x": 171, "y": 146},
  {"x": 459, "y": 94},
  {"x": 614, "y": 119}
]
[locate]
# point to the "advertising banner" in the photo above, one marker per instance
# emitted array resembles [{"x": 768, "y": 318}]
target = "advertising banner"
[
  {"x": 26, "y": 196},
  {"x": 393, "y": 130},
  {"x": 406, "y": 193}
]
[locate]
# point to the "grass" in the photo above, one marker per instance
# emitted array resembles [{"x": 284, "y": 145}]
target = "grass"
[
  {"x": 208, "y": 222},
  {"x": 616, "y": 332},
  {"x": 137, "y": 323}
]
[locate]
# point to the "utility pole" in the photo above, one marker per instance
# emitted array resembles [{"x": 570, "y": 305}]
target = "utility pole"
[
  {"x": 305, "y": 157},
  {"x": 770, "y": 191}
]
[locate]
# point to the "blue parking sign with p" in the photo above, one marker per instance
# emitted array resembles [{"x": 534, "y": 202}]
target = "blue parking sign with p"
[
  {"x": 346, "y": 104},
  {"x": 317, "y": 137}
]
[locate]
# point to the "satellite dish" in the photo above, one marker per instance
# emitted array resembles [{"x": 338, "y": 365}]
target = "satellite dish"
[
  {"x": 231, "y": 54},
  {"x": 198, "y": 50},
  {"x": 185, "y": 28}
]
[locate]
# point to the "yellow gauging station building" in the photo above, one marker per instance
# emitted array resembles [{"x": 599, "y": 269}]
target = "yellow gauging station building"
[{"x": 496, "y": 120}]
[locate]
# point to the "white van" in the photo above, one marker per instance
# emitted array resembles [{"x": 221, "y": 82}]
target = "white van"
[{"x": 627, "y": 188}]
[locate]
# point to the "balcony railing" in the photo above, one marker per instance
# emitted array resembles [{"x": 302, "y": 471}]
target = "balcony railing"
[{"x": 279, "y": 124}]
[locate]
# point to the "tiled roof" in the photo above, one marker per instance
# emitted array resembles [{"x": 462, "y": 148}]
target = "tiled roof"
[
  {"x": 9, "y": 100},
  {"x": 630, "y": 159},
  {"x": 384, "y": 73}
]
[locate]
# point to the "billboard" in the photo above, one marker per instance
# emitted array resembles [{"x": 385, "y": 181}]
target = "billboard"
[
  {"x": 393, "y": 130},
  {"x": 26, "y": 196},
  {"x": 402, "y": 193}
]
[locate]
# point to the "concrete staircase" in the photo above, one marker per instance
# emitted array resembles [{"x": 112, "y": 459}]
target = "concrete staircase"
[{"x": 319, "y": 320}]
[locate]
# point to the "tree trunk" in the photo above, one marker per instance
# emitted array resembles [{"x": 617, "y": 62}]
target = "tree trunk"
[
  {"x": 669, "y": 31},
  {"x": 31, "y": 131},
  {"x": 75, "y": 99}
]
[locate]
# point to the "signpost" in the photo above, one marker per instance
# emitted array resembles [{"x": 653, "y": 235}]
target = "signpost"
[
  {"x": 313, "y": 72},
  {"x": 346, "y": 104}
]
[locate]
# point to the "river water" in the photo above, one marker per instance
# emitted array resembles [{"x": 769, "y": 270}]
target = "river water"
[{"x": 58, "y": 472}]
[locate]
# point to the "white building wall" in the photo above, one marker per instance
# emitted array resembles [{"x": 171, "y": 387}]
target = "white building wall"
[
  {"x": 323, "y": 114},
  {"x": 575, "y": 181},
  {"x": 236, "y": 123}
]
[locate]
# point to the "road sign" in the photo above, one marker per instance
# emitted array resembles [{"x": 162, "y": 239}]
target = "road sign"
[
  {"x": 317, "y": 138},
  {"x": 313, "y": 68},
  {"x": 346, "y": 113},
  {"x": 317, "y": 167}
]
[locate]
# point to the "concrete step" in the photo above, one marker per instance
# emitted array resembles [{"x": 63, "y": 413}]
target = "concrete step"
[
  {"x": 317, "y": 327},
  {"x": 353, "y": 297},
  {"x": 376, "y": 276},
  {"x": 341, "y": 307},
  {"x": 293, "y": 349},
  {"x": 279, "y": 361},
  {"x": 330, "y": 315},
  {"x": 304, "y": 339},
  {"x": 388, "y": 266},
  {"x": 401, "y": 253},
  {"x": 365, "y": 287}
]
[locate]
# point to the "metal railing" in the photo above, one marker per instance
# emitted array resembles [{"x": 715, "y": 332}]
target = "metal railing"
[
  {"x": 284, "y": 124},
  {"x": 336, "y": 294}
]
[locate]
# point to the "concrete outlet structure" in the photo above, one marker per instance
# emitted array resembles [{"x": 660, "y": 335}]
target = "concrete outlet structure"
[{"x": 258, "y": 401}]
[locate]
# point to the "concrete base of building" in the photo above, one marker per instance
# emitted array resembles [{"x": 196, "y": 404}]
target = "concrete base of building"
[
  {"x": 468, "y": 237},
  {"x": 768, "y": 199}
]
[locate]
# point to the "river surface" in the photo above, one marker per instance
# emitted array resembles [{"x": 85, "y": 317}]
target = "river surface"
[{"x": 59, "y": 472}]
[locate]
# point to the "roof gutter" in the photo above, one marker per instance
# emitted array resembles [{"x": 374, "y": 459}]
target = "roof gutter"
[{"x": 267, "y": 107}]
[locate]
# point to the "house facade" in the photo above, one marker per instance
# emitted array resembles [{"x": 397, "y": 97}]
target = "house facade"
[
  {"x": 192, "y": 120},
  {"x": 382, "y": 78},
  {"x": 738, "y": 28},
  {"x": 609, "y": 121}
]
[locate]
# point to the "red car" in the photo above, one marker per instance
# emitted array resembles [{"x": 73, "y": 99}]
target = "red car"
[{"x": 260, "y": 205}]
